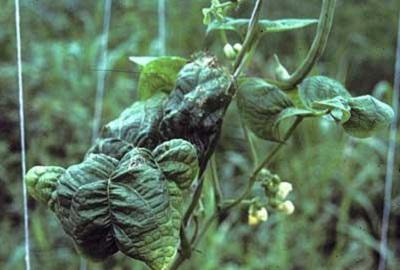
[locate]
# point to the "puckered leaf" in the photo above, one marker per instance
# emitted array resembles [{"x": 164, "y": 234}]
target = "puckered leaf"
[
  {"x": 320, "y": 88},
  {"x": 107, "y": 205},
  {"x": 265, "y": 26},
  {"x": 159, "y": 75},
  {"x": 42, "y": 181},
  {"x": 113, "y": 147},
  {"x": 137, "y": 126},
  {"x": 368, "y": 115},
  {"x": 264, "y": 106},
  {"x": 194, "y": 110},
  {"x": 178, "y": 161}
]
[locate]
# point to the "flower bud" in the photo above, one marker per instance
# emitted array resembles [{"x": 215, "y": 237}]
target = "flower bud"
[
  {"x": 280, "y": 71},
  {"x": 257, "y": 216},
  {"x": 284, "y": 188},
  {"x": 238, "y": 47},
  {"x": 286, "y": 207},
  {"x": 229, "y": 51}
]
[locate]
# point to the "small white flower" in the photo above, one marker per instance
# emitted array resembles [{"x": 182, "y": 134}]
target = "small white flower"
[
  {"x": 238, "y": 47},
  {"x": 258, "y": 216},
  {"x": 229, "y": 51},
  {"x": 262, "y": 214},
  {"x": 286, "y": 207},
  {"x": 284, "y": 188}
]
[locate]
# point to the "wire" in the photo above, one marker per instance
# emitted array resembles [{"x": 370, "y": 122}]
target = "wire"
[
  {"x": 390, "y": 160},
  {"x": 162, "y": 29},
  {"x": 22, "y": 135},
  {"x": 101, "y": 75}
]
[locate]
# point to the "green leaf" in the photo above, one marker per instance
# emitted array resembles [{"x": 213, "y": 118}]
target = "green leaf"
[
  {"x": 136, "y": 125},
  {"x": 321, "y": 88},
  {"x": 265, "y": 26},
  {"x": 338, "y": 107},
  {"x": 368, "y": 115},
  {"x": 41, "y": 182},
  {"x": 141, "y": 61},
  {"x": 159, "y": 75},
  {"x": 107, "y": 205},
  {"x": 264, "y": 106},
  {"x": 178, "y": 161}
]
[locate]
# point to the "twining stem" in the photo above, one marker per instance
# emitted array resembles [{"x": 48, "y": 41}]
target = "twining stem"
[
  {"x": 317, "y": 47},
  {"x": 248, "y": 40}
]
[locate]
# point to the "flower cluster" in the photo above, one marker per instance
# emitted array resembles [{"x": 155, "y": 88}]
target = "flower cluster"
[{"x": 276, "y": 192}]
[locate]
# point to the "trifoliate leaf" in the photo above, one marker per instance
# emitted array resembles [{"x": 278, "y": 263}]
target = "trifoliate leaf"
[
  {"x": 107, "y": 205},
  {"x": 159, "y": 75},
  {"x": 320, "y": 88},
  {"x": 368, "y": 115}
]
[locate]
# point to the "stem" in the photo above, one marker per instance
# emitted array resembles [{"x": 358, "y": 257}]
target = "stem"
[
  {"x": 317, "y": 47},
  {"x": 250, "y": 142},
  {"x": 248, "y": 40},
  {"x": 215, "y": 182},
  {"x": 252, "y": 180},
  {"x": 193, "y": 203}
]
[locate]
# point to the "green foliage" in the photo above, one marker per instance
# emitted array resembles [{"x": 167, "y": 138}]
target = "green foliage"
[
  {"x": 368, "y": 115},
  {"x": 41, "y": 182},
  {"x": 361, "y": 116},
  {"x": 264, "y": 106},
  {"x": 159, "y": 75},
  {"x": 332, "y": 206},
  {"x": 178, "y": 161}
]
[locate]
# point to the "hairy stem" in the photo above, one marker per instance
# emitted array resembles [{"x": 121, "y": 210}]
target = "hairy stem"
[{"x": 317, "y": 47}]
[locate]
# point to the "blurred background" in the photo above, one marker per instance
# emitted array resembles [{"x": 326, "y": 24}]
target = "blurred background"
[{"x": 338, "y": 181}]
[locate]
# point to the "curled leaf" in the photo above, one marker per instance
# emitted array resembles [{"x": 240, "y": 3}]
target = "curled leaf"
[
  {"x": 368, "y": 115},
  {"x": 178, "y": 161},
  {"x": 41, "y": 182},
  {"x": 260, "y": 104},
  {"x": 107, "y": 205},
  {"x": 321, "y": 88}
]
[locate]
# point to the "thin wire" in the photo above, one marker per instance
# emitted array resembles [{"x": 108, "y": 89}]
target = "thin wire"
[
  {"x": 390, "y": 160},
  {"x": 162, "y": 29},
  {"x": 22, "y": 136},
  {"x": 101, "y": 75}
]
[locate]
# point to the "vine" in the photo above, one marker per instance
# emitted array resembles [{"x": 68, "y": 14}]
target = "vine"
[{"x": 137, "y": 177}]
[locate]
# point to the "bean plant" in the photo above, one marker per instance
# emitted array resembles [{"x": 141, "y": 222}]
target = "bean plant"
[{"x": 139, "y": 188}]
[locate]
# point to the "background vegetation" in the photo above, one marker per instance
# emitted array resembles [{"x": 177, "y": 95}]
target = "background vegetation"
[{"x": 338, "y": 181}]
